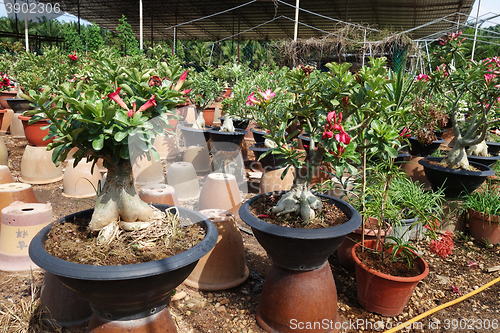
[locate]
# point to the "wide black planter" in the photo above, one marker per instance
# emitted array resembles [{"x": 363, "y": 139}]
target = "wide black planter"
[
  {"x": 238, "y": 123},
  {"x": 193, "y": 136},
  {"x": 417, "y": 149},
  {"x": 268, "y": 161},
  {"x": 126, "y": 295},
  {"x": 455, "y": 182},
  {"x": 298, "y": 248},
  {"x": 226, "y": 141},
  {"x": 258, "y": 134},
  {"x": 299, "y": 285},
  {"x": 493, "y": 147},
  {"x": 485, "y": 160},
  {"x": 19, "y": 105}
]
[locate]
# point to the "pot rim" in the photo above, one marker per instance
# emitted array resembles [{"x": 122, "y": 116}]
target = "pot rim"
[
  {"x": 439, "y": 140},
  {"x": 494, "y": 219},
  {"x": 302, "y": 233},
  {"x": 237, "y": 132},
  {"x": 410, "y": 279},
  {"x": 488, "y": 172},
  {"x": 60, "y": 267}
]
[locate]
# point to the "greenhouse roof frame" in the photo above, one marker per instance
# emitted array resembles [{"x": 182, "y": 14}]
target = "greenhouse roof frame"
[{"x": 224, "y": 18}]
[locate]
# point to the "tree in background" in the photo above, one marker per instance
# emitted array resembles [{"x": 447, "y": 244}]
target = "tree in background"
[{"x": 126, "y": 35}]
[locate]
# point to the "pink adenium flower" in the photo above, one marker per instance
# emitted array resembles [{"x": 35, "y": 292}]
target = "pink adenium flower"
[
  {"x": 151, "y": 102},
  {"x": 116, "y": 97},
  {"x": 252, "y": 100},
  {"x": 181, "y": 81},
  {"x": 423, "y": 77},
  {"x": 268, "y": 94}
]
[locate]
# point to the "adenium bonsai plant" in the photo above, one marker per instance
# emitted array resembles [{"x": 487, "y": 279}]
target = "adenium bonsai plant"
[
  {"x": 204, "y": 90},
  {"x": 329, "y": 143},
  {"x": 475, "y": 83},
  {"x": 118, "y": 113}
]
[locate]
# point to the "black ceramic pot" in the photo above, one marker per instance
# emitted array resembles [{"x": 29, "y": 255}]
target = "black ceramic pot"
[
  {"x": 297, "y": 248},
  {"x": 268, "y": 161},
  {"x": 193, "y": 136},
  {"x": 493, "y": 147},
  {"x": 19, "y": 105},
  {"x": 417, "y": 149},
  {"x": 125, "y": 293},
  {"x": 237, "y": 123},
  {"x": 456, "y": 182},
  {"x": 226, "y": 141},
  {"x": 485, "y": 160}
]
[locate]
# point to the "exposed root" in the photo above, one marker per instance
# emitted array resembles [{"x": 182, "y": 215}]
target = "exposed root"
[
  {"x": 298, "y": 201},
  {"x": 481, "y": 149},
  {"x": 161, "y": 225}
]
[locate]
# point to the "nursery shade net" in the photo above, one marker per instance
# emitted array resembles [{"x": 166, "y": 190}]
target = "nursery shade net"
[{"x": 268, "y": 19}]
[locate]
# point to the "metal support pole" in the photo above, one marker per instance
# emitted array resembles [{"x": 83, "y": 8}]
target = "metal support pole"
[
  {"x": 428, "y": 56},
  {"x": 175, "y": 36},
  {"x": 364, "y": 44},
  {"x": 78, "y": 9},
  {"x": 141, "y": 40},
  {"x": 296, "y": 29},
  {"x": 475, "y": 30},
  {"x": 27, "y": 45}
]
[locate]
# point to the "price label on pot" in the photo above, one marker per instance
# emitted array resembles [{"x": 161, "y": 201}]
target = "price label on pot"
[{"x": 15, "y": 240}]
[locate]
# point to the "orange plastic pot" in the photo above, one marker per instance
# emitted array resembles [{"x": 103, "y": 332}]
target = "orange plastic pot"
[
  {"x": 382, "y": 293},
  {"x": 34, "y": 132},
  {"x": 209, "y": 115},
  {"x": 4, "y": 95},
  {"x": 344, "y": 251},
  {"x": 484, "y": 226}
]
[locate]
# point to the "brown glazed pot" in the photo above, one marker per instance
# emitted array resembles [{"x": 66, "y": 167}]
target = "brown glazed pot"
[
  {"x": 381, "y": 293},
  {"x": 484, "y": 226}
]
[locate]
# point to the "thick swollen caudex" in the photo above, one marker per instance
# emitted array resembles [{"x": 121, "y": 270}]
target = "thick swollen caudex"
[
  {"x": 457, "y": 158},
  {"x": 299, "y": 200},
  {"x": 228, "y": 125},
  {"x": 481, "y": 149},
  {"x": 200, "y": 121},
  {"x": 119, "y": 199}
]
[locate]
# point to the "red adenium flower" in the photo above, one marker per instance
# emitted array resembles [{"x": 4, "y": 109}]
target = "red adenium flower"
[
  {"x": 116, "y": 97},
  {"x": 181, "y": 81},
  {"x": 73, "y": 56}
]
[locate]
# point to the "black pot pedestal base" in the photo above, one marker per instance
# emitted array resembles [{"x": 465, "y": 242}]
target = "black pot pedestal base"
[
  {"x": 158, "y": 322},
  {"x": 291, "y": 300}
]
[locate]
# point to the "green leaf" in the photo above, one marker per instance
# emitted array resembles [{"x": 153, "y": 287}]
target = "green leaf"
[
  {"x": 120, "y": 136},
  {"x": 99, "y": 143}
]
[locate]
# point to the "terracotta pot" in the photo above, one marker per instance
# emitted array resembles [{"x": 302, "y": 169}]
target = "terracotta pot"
[
  {"x": 415, "y": 171},
  {"x": 224, "y": 266},
  {"x": 182, "y": 177},
  {"x": 147, "y": 171},
  {"x": 4, "y": 154},
  {"x": 81, "y": 181},
  {"x": 16, "y": 127},
  {"x": 5, "y": 175},
  {"x": 220, "y": 191},
  {"x": 159, "y": 194},
  {"x": 381, "y": 293},
  {"x": 199, "y": 157},
  {"x": 21, "y": 221},
  {"x": 37, "y": 166},
  {"x": 344, "y": 251},
  {"x": 300, "y": 285},
  {"x": 209, "y": 116},
  {"x": 34, "y": 132},
  {"x": 484, "y": 226},
  {"x": 271, "y": 180},
  {"x": 2, "y": 112},
  {"x": 6, "y": 121},
  {"x": 4, "y": 95}
]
